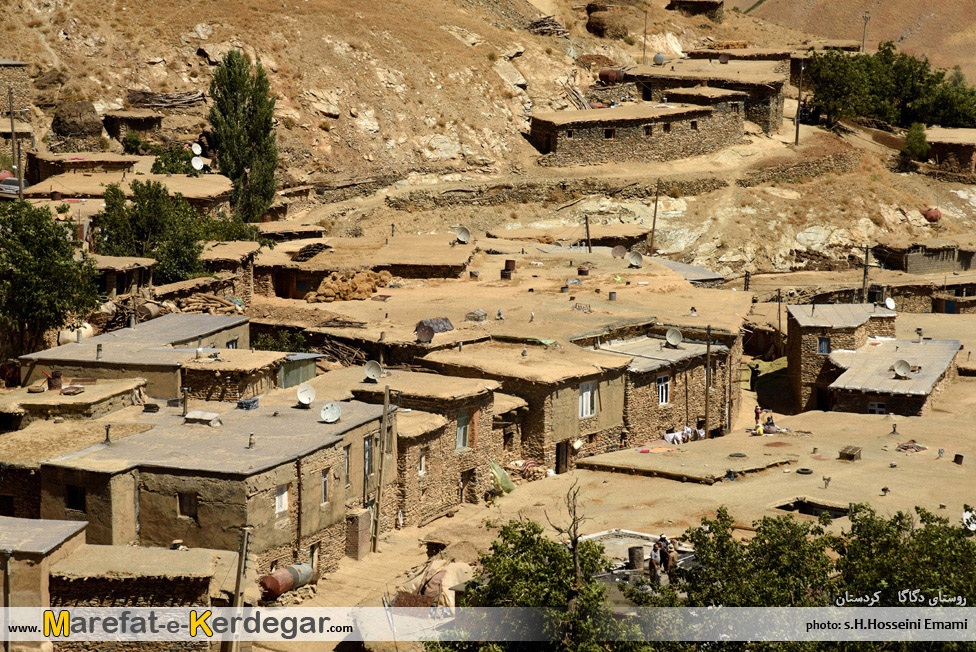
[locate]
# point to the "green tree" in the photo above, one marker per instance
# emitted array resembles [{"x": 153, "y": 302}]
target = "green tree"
[
  {"x": 916, "y": 145},
  {"x": 242, "y": 120},
  {"x": 173, "y": 160},
  {"x": 281, "y": 340},
  {"x": 43, "y": 285},
  {"x": 838, "y": 80}
]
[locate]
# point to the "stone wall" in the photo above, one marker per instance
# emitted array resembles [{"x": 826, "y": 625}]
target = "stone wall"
[
  {"x": 798, "y": 172},
  {"x": 714, "y": 11},
  {"x": 229, "y": 385},
  {"x": 16, "y": 78},
  {"x": 904, "y": 405},
  {"x": 764, "y": 106},
  {"x": 959, "y": 157},
  {"x": 242, "y": 279},
  {"x": 681, "y": 137},
  {"x": 20, "y": 489}
]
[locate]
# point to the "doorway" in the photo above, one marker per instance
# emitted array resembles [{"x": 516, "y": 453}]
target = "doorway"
[
  {"x": 562, "y": 457},
  {"x": 823, "y": 399},
  {"x": 467, "y": 481}
]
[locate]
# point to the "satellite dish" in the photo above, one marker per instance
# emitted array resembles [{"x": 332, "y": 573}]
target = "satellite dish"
[
  {"x": 331, "y": 412},
  {"x": 659, "y": 59},
  {"x": 723, "y": 58},
  {"x": 890, "y": 303},
  {"x": 969, "y": 520},
  {"x": 197, "y": 163},
  {"x": 425, "y": 333},
  {"x": 196, "y": 149},
  {"x": 463, "y": 234},
  {"x": 673, "y": 337},
  {"x": 619, "y": 251},
  {"x": 306, "y": 394},
  {"x": 903, "y": 368},
  {"x": 635, "y": 259},
  {"x": 373, "y": 370},
  {"x": 578, "y": 444}
]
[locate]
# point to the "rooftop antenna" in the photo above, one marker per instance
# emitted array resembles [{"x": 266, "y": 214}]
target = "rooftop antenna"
[
  {"x": 635, "y": 259},
  {"x": 331, "y": 412},
  {"x": 196, "y": 149},
  {"x": 673, "y": 337},
  {"x": 918, "y": 331},
  {"x": 108, "y": 434},
  {"x": 463, "y": 234},
  {"x": 373, "y": 371},
  {"x": 197, "y": 163},
  {"x": 250, "y": 440},
  {"x": 306, "y": 394},
  {"x": 890, "y": 303},
  {"x": 619, "y": 251},
  {"x": 902, "y": 368}
]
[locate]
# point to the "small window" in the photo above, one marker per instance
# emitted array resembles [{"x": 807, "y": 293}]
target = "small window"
[
  {"x": 648, "y": 130},
  {"x": 368, "y": 456},
  {"x": 663, "y": 390},
  {"x": 281, "y": 499},
  {"x": 876, "y": 408},
  {"x": 232, "y": 344},
  {"x": 75, "y": 498},
  {"x": 569, "y": 134},
  {"x": 463, "y": 428},
  {"x": 301, "y": 287},
  {"x": 508, "y": 441},
  {"x": 667, "y": 127},
  {"x": 823, "y": 345},
  {"x": 325, "y": 486},
  {"x": 609, "y": 134},
  {"x": 735, "y": 107},
  {"x": 422, "y": 462},
  {"x": 186, "y": 503},
  {"x": 587, "y": 400},
  {"x": 346, "y": 455},
  {"x": 6, "y": 505},
  {"x": 591, "y": 438},
  {"x": 694, "y": 125}
]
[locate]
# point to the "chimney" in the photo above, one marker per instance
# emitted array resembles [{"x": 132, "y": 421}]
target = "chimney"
[
  {"x": 108, "y": 434},
  {"x": 78, "y": 336},
  {"x": 186, "y": 390},
  {"x": 98, "y": 351},
  {"x": 132, "y": 320},
  {"x": 250, "y": 440}
]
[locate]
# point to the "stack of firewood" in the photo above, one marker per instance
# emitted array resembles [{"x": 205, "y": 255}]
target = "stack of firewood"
[{"x": 210, "y": 304}]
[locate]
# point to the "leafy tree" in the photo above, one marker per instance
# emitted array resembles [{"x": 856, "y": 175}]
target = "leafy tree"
[
  {"x": 173, "y": 160},
  {"x": 916, "y": 146},
  {"x": 42, "y": 284},
  {"x": 838, "y": 81},
  {"x": 242, "y": 119},
  {"x": 281, "y": 340}
]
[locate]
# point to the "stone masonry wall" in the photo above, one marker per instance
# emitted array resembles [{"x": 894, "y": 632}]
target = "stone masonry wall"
[
  {"x": 230, "y": 385},
  {"x": 17, "y": 78},
  {"x": 963, "y": 157},
  {"x": 688, "y": 136},
  {"x": 763, "y": 107},
  {"x": 23, "y": 485}
]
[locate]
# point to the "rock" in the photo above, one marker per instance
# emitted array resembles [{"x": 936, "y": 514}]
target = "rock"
[
  {"x": 214, "y": 54},
  {"x": 510, "y": 74},
  {"x": 201, "y": 31},
  {"x": 327, "y": 109},
  {"x": 513, "y": 51},
  {"x": 268, "y": 62},
  {"x": 76, "y": 120},
  {"x": 366, "y": 121},
  {"x": 467, "y": 37},
  {"x": 441, "y": 148},
  {"x": 607, "y": 24}
]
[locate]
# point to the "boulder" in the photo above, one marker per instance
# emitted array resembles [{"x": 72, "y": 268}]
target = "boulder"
[
  {"x": 76, "y": 120},
  {"x": 607, "y": 24}
]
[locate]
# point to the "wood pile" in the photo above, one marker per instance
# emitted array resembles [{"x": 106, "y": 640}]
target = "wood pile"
[
  {"x": 525, "y": 471},
  {"x": 547, "y": 26},
  {"x": 210, "y": 304},
  {"x": 349, "y": 286},
  {"x": 576, "y": 98},
  {"x": 149, "y": 100}
]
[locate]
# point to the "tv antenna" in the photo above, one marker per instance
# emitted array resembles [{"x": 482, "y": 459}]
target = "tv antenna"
[
  {"x": 463, "y": 234},
  {"x": 197, "y": 163},
  {"x": 619, "y": 251},
  {"x": 373, "y": 371},
  {"x": 331, "y": 412},
  {"x": 890, "y": 303},
  {"x": 902, "y": 368},
  {"x": 635, "y": 259},
  {"x": 306, "y": 394},
  {"x": 673, "y": 337},
  {"x": 196, "y": 149}
]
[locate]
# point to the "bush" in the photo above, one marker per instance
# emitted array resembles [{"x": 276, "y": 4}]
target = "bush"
[
  {"x": 916, "y": 145},
  {"x": 281, "y": 340}
]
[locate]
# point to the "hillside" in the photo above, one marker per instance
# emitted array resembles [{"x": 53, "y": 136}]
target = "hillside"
[{"x": 942, "y": 30}]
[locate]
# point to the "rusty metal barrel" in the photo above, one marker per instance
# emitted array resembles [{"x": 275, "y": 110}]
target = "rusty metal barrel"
[
  {"x": 286, "y": 579},
  {"x": 635, "y": 557},
  {"x": 611, "y": 76},
  {"x": 506, "y": 275},
  {"x": 510, "y": 264}
]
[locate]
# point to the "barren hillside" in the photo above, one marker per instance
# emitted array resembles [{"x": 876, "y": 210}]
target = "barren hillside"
[{"x": 943, "y": 30}]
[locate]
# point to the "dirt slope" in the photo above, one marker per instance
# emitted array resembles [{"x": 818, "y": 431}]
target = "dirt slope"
[{"x": 943, "y": 30}]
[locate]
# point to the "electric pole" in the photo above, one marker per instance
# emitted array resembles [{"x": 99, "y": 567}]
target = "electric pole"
[
  {"x": 589, "y": 246},
  {"x": 799, "y": 104},
  {"x": 864, "y": 283},
  {"x": 14, "y": 148},
  {"x": 864, "y": 37},
  {"x": 657, "y": 195},
  {"x": 708, "y": 378},
  {"x": 644, "y": 51}
]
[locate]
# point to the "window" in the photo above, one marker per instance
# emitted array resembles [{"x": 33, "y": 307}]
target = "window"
[
  {"x": 823, "y": 345},
  {"x": 186, "y": 504},
  {"x": 663, "y": 390},
  {"x": 735, "y": 107},
  {"x": 301, "y": 287},
  {"x": 648, "y": 130},
  {"x": 422, "y": 462},
  {"x": 368, "y": 457},
  {"x": 609, "y": 134},
  {"x": 346, "y": 454},
  {"x": 587, "y": 400},
  {"x": 281, "y": 499},
  {"x": 232, "y": 344},
  {"x": 463, "y": 428},
  {"x": 6, "y": 505},
  {"x": 667, "y": 127},
  {"x": 325, "y": 486},
  {"x": 694, "y": 125},
  {"x": 74, "y": 498},
  {"x": 508, "y": 441},
  {"x": 569, "y": 134},
  {"x": 876, "y": 408}
]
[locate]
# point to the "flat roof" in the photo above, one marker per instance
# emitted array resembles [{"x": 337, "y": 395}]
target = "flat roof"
[
  {"x": 281, "y": 434},
  {"x": 42, "y": 440},
  {"x": 571, "y": 233},
  {"x": 435, "y": 250},
  {"x": 14, "y": 401},
  {"x": 707, "y": 92},
  {"x": 869, "y": 368},
  {"x": 416, "y": 423},
  {"x": 82, "y": 157},
  {"x": 623, "y": 113},
  {"x": 36, "y": 536},
  {"x": 508, "y": 402},
  {"x": 236, "y": 360},
  {"x": 19, "y": 127},
  {"x": 120, "y": 263},
  {"x": 653, "y": 353},
  {"x": 419, "y": 384},
  {"x": 735, "y": 71},
  {"x": 11, "y": 62},
  {"x": 129, "y": 345},
  {"x": 129, "y": 562},
  {"x": 134, "y": 114},
  {"x": 951, "y": 136},
  {"x": 738, "y": 53},
  {"x": 289, "y": 226},
  {"x": 551, "y": 364},
  {"x": 837, "y": 315},
  {"x": 204, "y": 187},
  {"x": 693, "y": 273},
  {"x": 233, "y": 250}
]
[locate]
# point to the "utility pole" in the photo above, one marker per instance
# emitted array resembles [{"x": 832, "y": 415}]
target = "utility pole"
[
  {"x": 799, "y": 103},
  {"x": 864, "y": 37},
  {"x": 644, "y": 51},
  {"x": 708, "y": 377},
  {"x": 589, "y": 246},
  {"x": 657, "y": 195},
  {"x": 238, "y": 601},
  {"x": 745, "y": 286},
  {"x": 377, "y": 511},
  {"x": 864, "y": 283},
  {"x": 779, "y": 321},
  {"x": 14, "y": 148}
]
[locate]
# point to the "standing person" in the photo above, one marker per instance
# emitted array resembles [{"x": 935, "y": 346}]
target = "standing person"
[
  {"x": 672, "y": 558},
  {"x": 753, "y": 376},
  {"x": 654, "y": 564},
  {"x": 759, "y": 412},
  {"x": 665, "y": 560}
]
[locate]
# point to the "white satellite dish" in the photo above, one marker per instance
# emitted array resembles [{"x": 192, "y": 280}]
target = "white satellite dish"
[
  {"x": 306, "y": 394},
  {"x": 673, "y": 337},
  {"x": 196, "y": 149},
  {"x": 619, "y": 251},
  {"x": 331, "y": 412},
  {"x": 890, "y": 303},
  {"x": 969, "y": 520},
  {"x": 903, "y": 368},
  {"x": 463, "y": 234},
  {"x": 373, "y": 370},
  {"x": 197, "y": 163},
  {"x": 635, "y": 259}
]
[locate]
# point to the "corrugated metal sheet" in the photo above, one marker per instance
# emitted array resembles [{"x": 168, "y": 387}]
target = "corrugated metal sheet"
[
  {"x": 869, "y": 368},
  {"x": 837, "y": 315}
]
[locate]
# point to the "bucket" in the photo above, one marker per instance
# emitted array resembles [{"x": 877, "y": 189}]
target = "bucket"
[
  {"x": 613, "y": 296},
  {"x": 54, "y": 382},
  {"x": 583, "y": 270},
  {"x": 506, "y": 274}
]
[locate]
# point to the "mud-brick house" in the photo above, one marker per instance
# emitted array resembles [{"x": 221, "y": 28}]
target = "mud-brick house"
[
  {"x": 666, "y": 387},
  {"x": 143, "y": 121},
  {"x": 926, "y": 255},
  {"x": 575, "y": 396},
  {"x": 236, "y": 258},
  {"x": 814, "y": 332},
  {"x": 45, "y": 165},
  {"x": 75, "y": 398},
  {"x": 307, "y": 489},
  {"x": 956, "y": 148},
  {"x": 122, "y": 276},
  {"x": 440, "y": 467},
  {"x": 634, "y": 132},
  {"x": 867, "y": 380},
  {"x": 714, "y": 10},
  {"x": 14, "y": 77},
  {"x": 762, "y": 81}
]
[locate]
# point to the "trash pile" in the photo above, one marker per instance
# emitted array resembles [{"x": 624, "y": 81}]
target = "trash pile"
[
  {"x": 911, "y": 446},
  {"x": 526, "y": 471}
]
